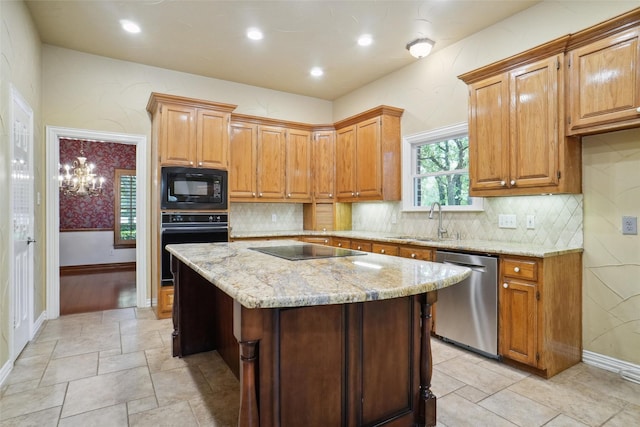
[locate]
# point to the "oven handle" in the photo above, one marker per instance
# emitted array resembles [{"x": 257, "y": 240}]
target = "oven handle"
[{"x": 177, "y": 230}]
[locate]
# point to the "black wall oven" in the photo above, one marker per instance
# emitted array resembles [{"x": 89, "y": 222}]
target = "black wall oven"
[
  {"x": 193, "y": 188},
  {"x": 190, "y": 227}
]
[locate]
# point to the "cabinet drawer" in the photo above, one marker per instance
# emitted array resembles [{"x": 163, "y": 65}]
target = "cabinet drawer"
[
  {"x": 416, "y": 253},
  {"x": 341, "y": 243},
  {"x": 361, "y": 245},
  {"x": 318, "y": 240},
  {"x": 385, "y": 249},
  {"x": 522, "y": 269}
]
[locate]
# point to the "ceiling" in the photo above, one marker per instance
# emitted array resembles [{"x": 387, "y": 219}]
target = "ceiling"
[{"x": 207, "y": 37}]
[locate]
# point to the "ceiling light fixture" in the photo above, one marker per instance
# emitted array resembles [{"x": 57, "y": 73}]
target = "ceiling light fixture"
[
  {"x": 365, "y": 40},
  {"x": 419, "y": 48},
  {"x": 79, "y": 179},
  {"x": 317, "y": 72},
  {"x": 254, "y": 34},
  {"x": 130, "y": 26}
]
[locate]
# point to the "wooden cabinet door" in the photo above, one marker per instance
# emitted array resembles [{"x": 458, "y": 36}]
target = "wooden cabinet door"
[
  {"x": 534, "y": 124},
  {"x": 519, "y": 321},
  {"x": 324, "y": 165},
  {"x": 212, "y": 139},
  {"x": 346, "y": 163},
  {"x": 271, "y": 162},
  {"x": 178, "y": 135},
  {"x": 243, "y": 157},
  {"x": 604, "y": 83},
  {"x": 298, "y": 165},
  {"x": 489, "y": 134},
  {"x": 368, "y": 162}
]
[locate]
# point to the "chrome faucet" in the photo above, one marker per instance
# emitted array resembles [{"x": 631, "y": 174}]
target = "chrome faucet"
[{"x": 441, "y": 231}]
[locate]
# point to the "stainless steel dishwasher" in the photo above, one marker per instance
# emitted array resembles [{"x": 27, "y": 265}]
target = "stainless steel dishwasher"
[{"x": 467, "y": 312}]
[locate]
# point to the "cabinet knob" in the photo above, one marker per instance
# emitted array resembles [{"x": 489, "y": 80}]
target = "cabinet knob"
[
  {"x": 191, "y": 163},
  {"x": 503, "y": 183},
  {"x": 505, "y": 285},
  {"x": 199, "y": 163},
  {"x": 289, "y": 195},
  {"x": 330, "y": 195},
  {"x": 253, "y": 194},
  {"x": 339, "y": 244},
  {"x": 326, "y": 240},
  {"x": 638, "y": 109},
  {"x": 359, "y": 247},
  {"x": 353, "y": 194},
  {"x": 513, "y": 182},
  {"x": 260, "y": 195},
  {"x": 357, "y": 194},
  {"x": 381, "y": 251},
  {"x": 516, "y": 269},
  {"x": 413, "y": 255}
]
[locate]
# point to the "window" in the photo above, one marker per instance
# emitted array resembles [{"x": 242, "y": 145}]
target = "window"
[
  {"x": 436, "y": 169},
  {"x": 124, "y": 230}
]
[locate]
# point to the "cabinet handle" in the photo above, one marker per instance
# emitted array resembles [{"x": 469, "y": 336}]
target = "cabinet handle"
[
  {"x": 503, "y": 183},
  {"x": 516, "y": 269},
  {"x": 505, "y": 285},
  {"x": 513, "y": 182},
  {"x": 413, "y": 255},
  {"x": 381, "y": 251}
]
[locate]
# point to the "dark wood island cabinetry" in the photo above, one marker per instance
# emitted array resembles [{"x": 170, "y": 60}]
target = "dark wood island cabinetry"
[{"x": 314, "y": 343}]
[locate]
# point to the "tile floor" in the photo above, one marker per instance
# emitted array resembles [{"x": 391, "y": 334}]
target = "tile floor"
[{"x": 114, "y": 368}]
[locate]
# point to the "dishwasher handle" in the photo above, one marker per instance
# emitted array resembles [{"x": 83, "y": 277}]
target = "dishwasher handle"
[{"x": 474, "y": 267}]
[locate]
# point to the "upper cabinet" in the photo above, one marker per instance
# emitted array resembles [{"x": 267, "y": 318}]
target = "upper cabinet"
[
  {"x": 190, "y": 132},
  {"x": 268, "y": 162},
  {"x": 604, "y": 77},
  {"x": 516, "y": 132},
  {"x": 368, "y": 156},
  {"x": 324, "y": 165}
]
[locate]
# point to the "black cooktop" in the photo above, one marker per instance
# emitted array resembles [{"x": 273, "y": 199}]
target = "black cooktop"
[{"x": 307, "y": 251}]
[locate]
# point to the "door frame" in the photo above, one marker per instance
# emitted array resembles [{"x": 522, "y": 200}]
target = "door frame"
[{"x": 54, "y": 134}]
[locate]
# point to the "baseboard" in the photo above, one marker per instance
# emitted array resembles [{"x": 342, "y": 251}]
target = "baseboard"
[
  {"x": 5, "y": 371},
  {"x": 628, "y": 371},
  {"x": 97, "y": 268},
  {"x": 38, "y": 324}
]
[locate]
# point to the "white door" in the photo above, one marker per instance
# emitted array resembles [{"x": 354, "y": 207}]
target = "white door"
[{"x": 22, "y": 182}]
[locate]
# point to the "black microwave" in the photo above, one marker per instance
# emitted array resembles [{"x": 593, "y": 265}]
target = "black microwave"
[{"x": 193, "y": 188}]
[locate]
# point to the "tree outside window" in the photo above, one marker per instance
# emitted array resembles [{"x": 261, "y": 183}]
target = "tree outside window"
[
  {"x": 436, "y": 169},
  {"x": 125, "y": 208}
]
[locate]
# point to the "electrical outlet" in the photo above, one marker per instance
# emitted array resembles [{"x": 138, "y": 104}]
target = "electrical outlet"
[
  {"x": 531, "y": 222},
  {"x": 394, "y": 219},
  {"x": 629, "y": 225},
  {"x": 274, "y": 217},
  {"x": 507, "y": 221}
]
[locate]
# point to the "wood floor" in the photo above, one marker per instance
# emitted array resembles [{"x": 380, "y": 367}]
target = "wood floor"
[{"x": 97, "y": 291}]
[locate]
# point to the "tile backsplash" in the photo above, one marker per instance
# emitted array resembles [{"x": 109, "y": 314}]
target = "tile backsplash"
[{"x": 558, "y": 219}]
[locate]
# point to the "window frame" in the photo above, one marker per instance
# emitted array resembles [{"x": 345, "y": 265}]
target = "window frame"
[
  {"x": 408, "y": 167},
  {"x": 117, "y": 241}
]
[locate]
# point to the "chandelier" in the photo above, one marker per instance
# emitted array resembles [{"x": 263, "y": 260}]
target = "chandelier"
[{"x": 79, "y": 178}]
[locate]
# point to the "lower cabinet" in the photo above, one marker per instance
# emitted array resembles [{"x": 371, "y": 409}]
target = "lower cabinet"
[
  {"x": 165, "y": 302},
  {"x": 540, "y": 312},
  {"x": 318, "y": 240},
  {"x": 385, "y": 249},
  {"x": 341, "y": 242}
]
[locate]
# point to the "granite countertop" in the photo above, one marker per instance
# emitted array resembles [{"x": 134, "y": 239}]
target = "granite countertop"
[
  {"x": 258, "y": 280},
  {"x": 470, "y": 245}
]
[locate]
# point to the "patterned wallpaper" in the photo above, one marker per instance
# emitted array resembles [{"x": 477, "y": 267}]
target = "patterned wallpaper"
[{"x": 81, "y": 212}]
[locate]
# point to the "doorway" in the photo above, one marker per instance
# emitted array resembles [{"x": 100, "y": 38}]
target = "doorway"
[{"x": 54, "y": 135}]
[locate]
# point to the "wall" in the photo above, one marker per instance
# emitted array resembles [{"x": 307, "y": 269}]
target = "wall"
[
  {"x": 78, "y": 212},
  {"x": 611, "y": 262},
  {"x": 92, "y": 247},
  {"x": 20, "y": 65}
]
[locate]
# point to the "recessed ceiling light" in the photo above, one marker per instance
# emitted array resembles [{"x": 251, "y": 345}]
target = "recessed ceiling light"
[
  {"x": 365, "y": 40},
  {"x": 130, "y": 26},
  {"x": 317, "y": 72},
  {"x": 254, "y": 34}
]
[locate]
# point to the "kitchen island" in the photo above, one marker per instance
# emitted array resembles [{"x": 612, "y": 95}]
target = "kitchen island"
[{"x": 333, "y": 341}]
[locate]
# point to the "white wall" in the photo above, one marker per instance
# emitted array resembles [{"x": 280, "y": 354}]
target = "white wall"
[{"x": 92, "y": 247}]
